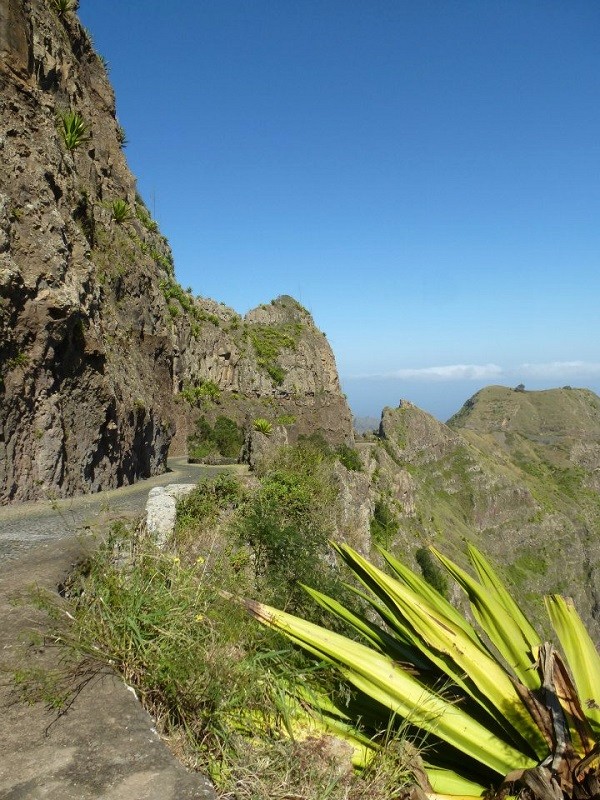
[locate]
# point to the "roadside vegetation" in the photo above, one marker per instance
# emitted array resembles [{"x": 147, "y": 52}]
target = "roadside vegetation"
[
  {"x": 378, "y": 687},
  {"x": 221, "y": 687}
]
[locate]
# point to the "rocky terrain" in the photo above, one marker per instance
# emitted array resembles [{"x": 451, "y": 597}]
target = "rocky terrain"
[
  {"x": 97, "y": 339},
  {"x": 107, "y": 363},
  {"x": 514, "y": 472}
]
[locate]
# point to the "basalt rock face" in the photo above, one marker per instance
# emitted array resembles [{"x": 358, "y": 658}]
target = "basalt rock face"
[{"x": 96, "y": 336}]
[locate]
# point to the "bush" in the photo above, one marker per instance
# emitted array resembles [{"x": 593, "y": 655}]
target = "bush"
[
  {"x": 224, "y": 439},
  {"x": 384, "y": 524},
  {"x": 203, "y": 390},
  {"x": 349, "y": 457},
  {"x": 287, "y": 523}
]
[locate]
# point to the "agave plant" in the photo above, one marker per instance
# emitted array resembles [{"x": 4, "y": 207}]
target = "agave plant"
[
  {"x": 262, "y": 426},
  {"x": 120, "y": 211},
  {"x": 72, "y": 128},
  {"x": 63, "y": 7},
  {"x": 497, "y": 704}
]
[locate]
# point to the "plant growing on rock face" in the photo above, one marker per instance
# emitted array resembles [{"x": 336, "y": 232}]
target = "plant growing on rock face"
[
  {"x": 120, "y": 211},
  {"x": 510, "y": 714},
  {"x": 122, "y": 136},
  {"x": 63, "y": 7},
  {"x": 73, "y": 129},
  {"x": 262, "y": 426}
]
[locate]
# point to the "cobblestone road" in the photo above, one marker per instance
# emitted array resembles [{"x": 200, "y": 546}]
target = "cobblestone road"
[{"x": 27, "y": 524}]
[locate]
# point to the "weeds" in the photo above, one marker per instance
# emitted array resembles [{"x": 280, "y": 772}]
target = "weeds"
[{"x": 218, "y": 685}]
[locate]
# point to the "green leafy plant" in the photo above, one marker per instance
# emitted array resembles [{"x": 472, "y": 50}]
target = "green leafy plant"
[
  {"x": 122, "y": 136},
  {"x": 63, "y": 7},
  {"x": 73, "y": 129},
  {"x": 225, "y": 438},
  {"x": 349, "y": 457},
  {"x": 286, "y": 419},
  {"x": 262, "y": 425},
  {"x": 509, "y": 714},
  {"x": 204, "y": 390},
  {"x": 120, "y": 211}
]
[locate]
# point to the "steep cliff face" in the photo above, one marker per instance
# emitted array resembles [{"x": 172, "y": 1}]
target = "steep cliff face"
[
  {"x": 513, "y": 472},
  {"x": 96, "y": 336},
  {"x": 273, "y": 364}
]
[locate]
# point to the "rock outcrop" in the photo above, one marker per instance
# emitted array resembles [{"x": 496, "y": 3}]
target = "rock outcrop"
[
  {"x": 513, "y": 472},
  {"x": 97, "y": 339}
]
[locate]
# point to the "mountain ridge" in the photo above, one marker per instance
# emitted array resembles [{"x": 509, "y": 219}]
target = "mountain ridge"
[{"x": 98, "y": 341}]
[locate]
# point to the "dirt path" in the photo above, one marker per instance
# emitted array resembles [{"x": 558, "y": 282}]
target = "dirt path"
[{"x": 25, "y": 525}]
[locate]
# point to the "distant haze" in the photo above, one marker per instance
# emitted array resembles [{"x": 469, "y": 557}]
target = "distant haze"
[{"x": 442, "y": 399}]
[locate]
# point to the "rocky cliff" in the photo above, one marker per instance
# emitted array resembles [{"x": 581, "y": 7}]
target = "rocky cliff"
[
  {"x": 97, "y": 339},
  {"x": 514, "y": 472}
]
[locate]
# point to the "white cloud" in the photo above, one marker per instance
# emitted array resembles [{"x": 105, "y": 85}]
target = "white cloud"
[
  {"x": 450, "y": 372},
  {"x": 558, "y": 369}
]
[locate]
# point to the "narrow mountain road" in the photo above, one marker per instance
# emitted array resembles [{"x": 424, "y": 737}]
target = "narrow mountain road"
[
  {"x": 25, "y": 525},
  {"x": 106, "y": 746}
]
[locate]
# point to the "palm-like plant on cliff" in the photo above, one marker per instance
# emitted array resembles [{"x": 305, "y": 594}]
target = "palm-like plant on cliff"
[
  {"x": 498, "y": 706},
  {"x": 73, "y": 129}
]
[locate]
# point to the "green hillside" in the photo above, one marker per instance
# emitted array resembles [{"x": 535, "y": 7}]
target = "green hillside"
[{"x": 517, "y": 473}]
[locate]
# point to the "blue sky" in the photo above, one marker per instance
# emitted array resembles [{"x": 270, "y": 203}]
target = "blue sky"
[{"x": 423, "y": 176}]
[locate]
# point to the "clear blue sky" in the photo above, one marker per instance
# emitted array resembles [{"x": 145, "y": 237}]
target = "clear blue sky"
[{"x": 423, "y": 176}]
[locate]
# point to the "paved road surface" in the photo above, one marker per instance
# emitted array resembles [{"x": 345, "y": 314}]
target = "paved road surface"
[{"x": 24, "y": 525}]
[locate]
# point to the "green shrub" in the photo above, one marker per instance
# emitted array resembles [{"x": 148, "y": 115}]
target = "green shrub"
[
  {"x": 286, "y": 419},
  {"x": 224, "y": 439},
  {"x": 72, "y": 129},
  {"x": 228, "y": 437},
  {"x": 431, "y": 571},
  {"x": 205, "y": 390},
  {"x": 349, "y": 457},
  {"x": 287, "y": 524},
  {"x": 384, "y": 524}
]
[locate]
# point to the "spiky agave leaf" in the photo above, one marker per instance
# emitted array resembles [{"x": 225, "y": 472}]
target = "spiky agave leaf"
[
  {"x": 456, "y": 653},
  {"x": 427, "y": 592},
  {"x": 380, "y": 678},
  {"x": 581, "y": 654},
  {"x": 491, "y": 580},
  {"x": 503, "y": 630}
]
